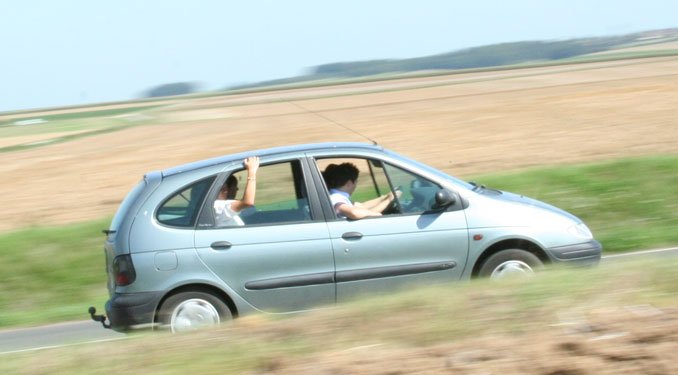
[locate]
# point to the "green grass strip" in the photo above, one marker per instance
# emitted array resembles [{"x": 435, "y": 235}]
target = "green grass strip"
[{"x": 628, "y": 204}]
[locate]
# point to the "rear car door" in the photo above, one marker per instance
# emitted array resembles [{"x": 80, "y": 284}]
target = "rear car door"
[{"x": 281, "y": 259}]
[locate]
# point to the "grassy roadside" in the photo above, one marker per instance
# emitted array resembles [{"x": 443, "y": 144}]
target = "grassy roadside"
[
  {"x": 51, "y": 274},
  {"x": 556, "y": 319},
  {"x": 628, "y": 204},
  {"x": 54, "y": 274}
]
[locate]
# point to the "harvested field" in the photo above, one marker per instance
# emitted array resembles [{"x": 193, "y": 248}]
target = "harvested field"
[{"x": 464, "y": 124}]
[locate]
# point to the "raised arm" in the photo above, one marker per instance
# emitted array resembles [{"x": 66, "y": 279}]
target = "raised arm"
[{"x": 252, "y": 165}]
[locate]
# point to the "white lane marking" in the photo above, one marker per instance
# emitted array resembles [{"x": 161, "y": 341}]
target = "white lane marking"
[
  {"x": 641, "y": 252},
  {"x": 62, "y": 346}
]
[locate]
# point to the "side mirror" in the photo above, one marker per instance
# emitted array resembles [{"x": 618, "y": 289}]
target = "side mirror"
[{"x": 444, "y": 198}]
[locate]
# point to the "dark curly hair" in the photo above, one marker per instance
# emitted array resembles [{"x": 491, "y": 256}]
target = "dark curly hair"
[{"x": 337, "y": 175}]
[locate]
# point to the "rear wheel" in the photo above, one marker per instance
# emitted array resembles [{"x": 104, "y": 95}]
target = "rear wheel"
[
  {"x": 511, "y": 262},
  {"x": 187, "y": 311}
]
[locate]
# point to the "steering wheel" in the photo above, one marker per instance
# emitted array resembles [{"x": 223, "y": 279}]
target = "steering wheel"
[{"x": 392, "y": 208}]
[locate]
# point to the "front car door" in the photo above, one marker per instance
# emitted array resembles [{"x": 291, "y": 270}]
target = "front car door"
[{"x": 410, "y": 243}]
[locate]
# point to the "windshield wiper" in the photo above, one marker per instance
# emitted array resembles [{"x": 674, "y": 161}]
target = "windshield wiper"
[{"x": 477, "y": 186}]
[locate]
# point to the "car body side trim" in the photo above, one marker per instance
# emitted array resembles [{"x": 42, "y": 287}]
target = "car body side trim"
[
  {"x": 291, "y": 281},
  {"x": 379, "y": 272},
  {"x": 588, "y": 250},
  {"x": 346, "y": 276}
]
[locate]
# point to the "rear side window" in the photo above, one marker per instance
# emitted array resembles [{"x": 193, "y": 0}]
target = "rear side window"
[
  {"x": 181, "y": 209},
  {"x": 281, "y": 196}
]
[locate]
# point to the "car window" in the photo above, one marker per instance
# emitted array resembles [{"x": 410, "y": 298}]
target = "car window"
[
  {"x": 181, "y": 209},
  {"x": 372, "y": 182},
  {"x": 417, "y": 193},
  {"x": 281, "y": 195},
  {"x": 376, "y": 178}
]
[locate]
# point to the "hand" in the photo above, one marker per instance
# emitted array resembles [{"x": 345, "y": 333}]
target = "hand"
[
  {"x": 252, "y": 164},
  {"x": 398, "y": 193}
]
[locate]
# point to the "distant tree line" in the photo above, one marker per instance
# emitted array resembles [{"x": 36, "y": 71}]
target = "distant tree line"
[
  {"x": 172, "y": 89},
  {"x": 477, "y": 57}
]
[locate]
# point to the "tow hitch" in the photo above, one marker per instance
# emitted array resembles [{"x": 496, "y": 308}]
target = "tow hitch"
[{"x": 98, "y": 318}]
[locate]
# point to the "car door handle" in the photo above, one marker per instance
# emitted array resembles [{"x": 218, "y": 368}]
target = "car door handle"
[
  {"x": 352, "y": 236},
  {"x": 221, "y": 245}
]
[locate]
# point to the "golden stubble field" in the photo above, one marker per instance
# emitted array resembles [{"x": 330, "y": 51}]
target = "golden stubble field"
[{"x": 464, "y": 124}]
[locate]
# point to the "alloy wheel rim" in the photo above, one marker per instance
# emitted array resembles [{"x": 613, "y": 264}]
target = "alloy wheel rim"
[
  {"x": 512, "y": 268},
  {"x": 193, "y": 314}
]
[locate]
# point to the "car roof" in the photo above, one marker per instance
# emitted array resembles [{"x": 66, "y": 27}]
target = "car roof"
[{"x": 300, "y": 148}]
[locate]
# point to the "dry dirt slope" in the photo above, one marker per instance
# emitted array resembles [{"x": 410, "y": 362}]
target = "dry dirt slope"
[
  {"x": 618, "y": 342},
  {"x": 464, "y": 124}
]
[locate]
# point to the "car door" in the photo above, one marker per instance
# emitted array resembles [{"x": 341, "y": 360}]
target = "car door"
[
  {"x": 409, "y": 244},
  {"x": 281, "y": 259}
]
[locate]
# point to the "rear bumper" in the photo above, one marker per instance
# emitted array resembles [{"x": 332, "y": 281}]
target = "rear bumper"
[
  {"x": 583, "y": 253},
  {"x": 131, "y": 311}
]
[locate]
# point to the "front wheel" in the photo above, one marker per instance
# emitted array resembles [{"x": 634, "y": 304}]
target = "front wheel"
[
  {"x": 509, "y": 263},
  {"x": 187, "y": 311}
]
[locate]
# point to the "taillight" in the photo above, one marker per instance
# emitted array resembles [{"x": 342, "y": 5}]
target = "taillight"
[{"x": 123, "y": 270}]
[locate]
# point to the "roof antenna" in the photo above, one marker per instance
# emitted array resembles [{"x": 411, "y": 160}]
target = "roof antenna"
[{"x": 332, "y": 121}]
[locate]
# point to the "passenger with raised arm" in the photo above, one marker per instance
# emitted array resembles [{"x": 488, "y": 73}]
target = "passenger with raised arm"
[{"x": 226, "y": 208}]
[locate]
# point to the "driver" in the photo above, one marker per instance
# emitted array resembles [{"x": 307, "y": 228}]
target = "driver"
[{"x": 341, "y": 180}]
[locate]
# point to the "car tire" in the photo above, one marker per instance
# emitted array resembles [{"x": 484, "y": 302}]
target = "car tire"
[
  {"x": 187, "y": 311},
  {"x": 510, "y": 262}
]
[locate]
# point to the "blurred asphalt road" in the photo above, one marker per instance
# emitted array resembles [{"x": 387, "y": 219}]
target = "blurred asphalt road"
[
  {"x": 91, "y": 332},
  {"x": 55, "y": 335}
]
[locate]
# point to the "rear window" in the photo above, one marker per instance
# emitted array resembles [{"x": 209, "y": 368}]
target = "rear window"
[
  {"x": 181, "y": 209},
  {"x": 127, "y": 204}
]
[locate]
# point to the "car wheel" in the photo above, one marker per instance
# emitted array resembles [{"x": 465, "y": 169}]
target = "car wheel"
[
  {"x": 187, "y": 311},
  {"x": 509, "y": 263}
]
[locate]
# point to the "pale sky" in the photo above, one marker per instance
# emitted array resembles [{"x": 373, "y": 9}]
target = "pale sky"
[{"x": 71, "y": 52}]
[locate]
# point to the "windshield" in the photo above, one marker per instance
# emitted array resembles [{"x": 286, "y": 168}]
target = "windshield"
[{"x": 433, "y": 171}]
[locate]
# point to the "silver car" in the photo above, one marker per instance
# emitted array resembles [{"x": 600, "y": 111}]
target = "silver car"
[{"x": 171, "y": 266}]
